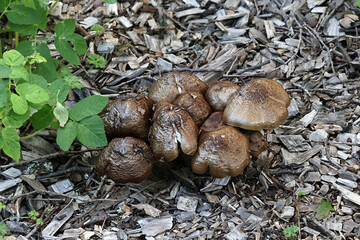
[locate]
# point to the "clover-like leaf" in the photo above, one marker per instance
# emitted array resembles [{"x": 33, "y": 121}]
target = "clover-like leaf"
[{"x": 13, "y": 58}]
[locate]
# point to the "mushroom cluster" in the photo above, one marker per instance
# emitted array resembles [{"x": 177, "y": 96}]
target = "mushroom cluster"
[{"x": 217, "y": 126}]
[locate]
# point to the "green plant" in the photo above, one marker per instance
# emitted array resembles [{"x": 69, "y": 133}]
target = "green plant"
[
  {"x": 98, "y": 28},
  {"x": 358, "y": 3},
  {"x": 324, "y": 209},
  {"x": 110, "y": 1},
  {"x": 34, "y": 86},
  {"x": 31, "y": 215},
  {"x": 96, "y": 60},
  {"x": 291, "y": 231}
]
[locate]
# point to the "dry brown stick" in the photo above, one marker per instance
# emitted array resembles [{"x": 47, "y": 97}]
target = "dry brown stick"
[
  {"x": 323, "y": 228},
  {"x": 316, "y": 35},
  {"x": 45, "y": 157},
  {"x": 176, "y": 22},
  {"x": 238, "y": 74},
  {"x": 296, "y": 52},
  {"x": 187, "y": 70},
  {"x": 323, "y": 22}
]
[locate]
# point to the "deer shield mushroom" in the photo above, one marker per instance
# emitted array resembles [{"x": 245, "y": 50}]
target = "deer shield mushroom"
[
  {"x": 224, "y": 150},
  {"x": 127, "y": 116},
  {"x": 259, "y": 104},
  {"x": 173, "y": 84},
  {"x": 172, "y": 126},
  {"x": 219, "y": 94},
  {"x": 125, "y": 160},
  {"x": 195, "y": 104}
]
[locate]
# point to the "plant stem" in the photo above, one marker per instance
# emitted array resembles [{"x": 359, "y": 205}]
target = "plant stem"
[
  {"x": 0, "y": 48},
  {"x": 52, "y": 7},
  {"x": 30, "y": 135}
]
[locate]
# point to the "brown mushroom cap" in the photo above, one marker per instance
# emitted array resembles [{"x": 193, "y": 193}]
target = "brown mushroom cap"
[
  {"x": 213, "y": 122},
  {"x": 127, "y": 116},
  {"x": 195, "y": 104},
  {"x": 257, "y": 142},
  {"x": 259, "y": 104},
  {"x": 219, "y": 94},
  {"x": 225, "y": 152},
  {"x": 125, "y": 160},
  {"x": 172, "y": 126},
  {"x": 172, "y": 84}
]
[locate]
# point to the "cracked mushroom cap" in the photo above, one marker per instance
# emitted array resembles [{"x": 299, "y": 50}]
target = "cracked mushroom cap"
[
  {"x": 219, "y": 94},
  {"x": 125, "y": 160},
  {"x": 172, "y": 126},
  {"x": 225, "y": 152},
  {"x": 127, "y": 116},
  {"x": 259, "y": 104},
  {"x": 195, "y": 104},
  {"x": 173, "y": 84}
]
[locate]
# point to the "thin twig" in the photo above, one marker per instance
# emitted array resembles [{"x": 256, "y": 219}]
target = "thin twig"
[
  {"x": 238, "y": 73},
  {"x": 46, "y": 157},
  {"x": 186, "y": 70},
  {"x": 323, "y": 228},
  {"x": 296, "y": 52}
]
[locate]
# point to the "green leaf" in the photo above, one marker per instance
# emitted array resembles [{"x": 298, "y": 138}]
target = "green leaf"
[
  {"x": 23, "y": 15},
  {"x": 358, "y": 3},
  {"x": 61, "y": 114},
  {"x": 4, "y": 71},
  {"x": 96, "y": 60},
  {"x": 4, "y": 4},
  {"x": 25, "y": 48},
  {"x": 11, "y": 143},
  {"x": 23, "y": 29},
  {"x": 38, "y": 80},
  {"x": 59, "y": 90},
  {"x": 65, "y": 136},
  {"x": 19, "y": 72},
  {"x": 48, "y": 69},
  {"x": 19, "y": 104},
  {"x": 66, "y": 51},
  {"x": 291, "y": 231},
  {"x": 42, "y": 118},
  {"x": 32, "y": 93},
  {"x": 3, "y": 229},
  {"x": 64, "y": 34},
  {"x": 110, "y": 1},
  {"x": 13, "y": 58},
  {"x": 14, "y": 120},
  {"x": 91, "y": 133},
  {"x": 3, "y": 98},
  {"x": 79, "y": 43},
  {"x": 324, "y": 209},
  {"x": 88, "y": 106},
  {"x": 65, "y": 28},
  {"x": 1, "y": 145}
]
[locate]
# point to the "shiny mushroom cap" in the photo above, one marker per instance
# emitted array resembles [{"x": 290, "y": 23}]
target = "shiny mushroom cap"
[
  {"x": 173, "y": 84},
  {"x": 257, "y": 142},
  {"x": 125, "y": 160},
  {"x": 219, "y": 94},
  {"x": 127, "y": 116},
  {"x": 225, "y": 152},
  {"x": 172, "y": 126},
  {"x": 259, "y": 104},
  {"x": 195, "y": 104}
]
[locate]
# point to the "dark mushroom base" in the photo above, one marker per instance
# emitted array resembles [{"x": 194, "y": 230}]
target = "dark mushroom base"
[{"x": 126, "y": 160}]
